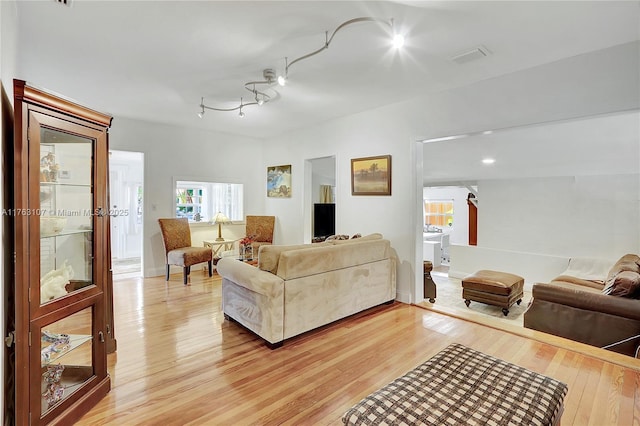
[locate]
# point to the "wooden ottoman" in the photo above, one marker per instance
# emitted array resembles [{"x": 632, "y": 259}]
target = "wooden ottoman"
[
  {"x": 462, "y": 386},
  {"x": 493, "y": 288}
]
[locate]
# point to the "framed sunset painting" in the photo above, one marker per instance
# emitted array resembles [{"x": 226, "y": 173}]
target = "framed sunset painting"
[{"x": 371, "y": 175}]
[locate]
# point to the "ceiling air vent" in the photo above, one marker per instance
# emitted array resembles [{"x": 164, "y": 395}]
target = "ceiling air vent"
[
  {"x": 64, "y": 2},
  {"x": 471, "y": 55}
]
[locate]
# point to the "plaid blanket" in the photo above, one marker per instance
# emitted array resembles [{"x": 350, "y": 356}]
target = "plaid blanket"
[{"x": 461, "y": 386}]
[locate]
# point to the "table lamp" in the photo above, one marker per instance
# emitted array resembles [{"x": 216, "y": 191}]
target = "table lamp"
[{"x": 220, "y": 218}]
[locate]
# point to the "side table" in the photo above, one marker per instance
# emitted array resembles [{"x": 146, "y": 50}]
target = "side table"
[
  {"x": 217, "y": 247},
  {"x": 429, "y": 285}
]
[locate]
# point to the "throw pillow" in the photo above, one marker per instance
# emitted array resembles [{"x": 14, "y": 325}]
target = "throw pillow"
[
  {"x": 625, "y": 284},
  {"x": 628, "y": 262},
  {"x": 337, "y": 237}
]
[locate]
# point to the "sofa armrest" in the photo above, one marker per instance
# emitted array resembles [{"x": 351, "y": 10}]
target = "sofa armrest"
[
  {"x": 612, "y": 305},
  {"x": 250, "y": 277}
]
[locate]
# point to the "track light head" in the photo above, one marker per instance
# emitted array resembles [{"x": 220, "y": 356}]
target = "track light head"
[
  {"x": 241, "y": 113},
  {"x": 269, "y": 74},
  {"x": 201, "y": 113},
  {"x": 398, "y": 41}
]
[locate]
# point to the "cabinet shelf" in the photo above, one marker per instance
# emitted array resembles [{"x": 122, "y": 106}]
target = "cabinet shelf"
[
  {"x": 72, "y": 377},
  {"x": 75, "y": 341},
  {"x": 65, "y": 233},
  {"x": 87, "y": 185}
]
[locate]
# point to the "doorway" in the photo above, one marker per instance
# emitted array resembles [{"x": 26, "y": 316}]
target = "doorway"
[
  {"x": 320, "y": 187},
  {"x": 126, "y": 189}
]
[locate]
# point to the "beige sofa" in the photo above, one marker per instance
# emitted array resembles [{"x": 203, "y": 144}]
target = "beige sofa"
[
  {"x": 592, "y": 302},
  {"x": 297, "y": 288}
]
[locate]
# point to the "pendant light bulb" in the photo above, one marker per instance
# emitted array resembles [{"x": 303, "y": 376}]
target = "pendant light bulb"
[{"x": 282, "y": 80}]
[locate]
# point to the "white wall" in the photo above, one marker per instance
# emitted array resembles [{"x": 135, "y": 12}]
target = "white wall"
[
  {"x": 585, "y": 216},
  {"x": 598, "y": 82},
  {"x": 192, "y": 154}
]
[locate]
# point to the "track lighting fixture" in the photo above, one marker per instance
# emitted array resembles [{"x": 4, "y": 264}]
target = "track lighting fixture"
[
  {"x": 269, "y": 75},
  {"x": 201, "y": 113}
]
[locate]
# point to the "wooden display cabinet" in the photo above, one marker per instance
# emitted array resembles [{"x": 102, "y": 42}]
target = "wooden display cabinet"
[{"x": 62, "y": 290}]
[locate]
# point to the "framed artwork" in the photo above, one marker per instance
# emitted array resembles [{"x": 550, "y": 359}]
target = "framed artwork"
[
  {"x": 371, "y": 175},
  {"x": 279, "y": 181}
]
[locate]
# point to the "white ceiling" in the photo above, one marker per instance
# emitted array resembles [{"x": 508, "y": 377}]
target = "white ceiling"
[
  {"x": 154, "y": 60},
  {"x": 540, "y": 150}
]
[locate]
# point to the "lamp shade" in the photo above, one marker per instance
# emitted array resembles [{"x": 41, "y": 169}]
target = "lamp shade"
[{"x": 221, "y": 218}]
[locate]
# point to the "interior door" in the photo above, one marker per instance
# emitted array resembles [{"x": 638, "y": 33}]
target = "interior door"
[{"x": 117, "y": 228}]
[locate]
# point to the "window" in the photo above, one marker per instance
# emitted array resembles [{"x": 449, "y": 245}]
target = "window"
[
  {"x": 201, "y": 201},
  {"x": 438, "y": 212}
]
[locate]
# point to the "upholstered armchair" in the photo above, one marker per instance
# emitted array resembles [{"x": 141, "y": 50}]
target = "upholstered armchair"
[
  {"x": 260, "y": 229},
  {"x": 176, "y": 236}
]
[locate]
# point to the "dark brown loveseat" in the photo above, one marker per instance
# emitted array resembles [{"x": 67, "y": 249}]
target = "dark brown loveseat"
[{"x": 598, "y": 312}]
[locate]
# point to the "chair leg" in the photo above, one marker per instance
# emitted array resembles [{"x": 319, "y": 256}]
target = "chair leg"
[
  {"x": 167, "y": 272},
  {"x": 211, "y": 268},
  {"x": 185, "y": 273},
  {"x": 188, "y": 270}
]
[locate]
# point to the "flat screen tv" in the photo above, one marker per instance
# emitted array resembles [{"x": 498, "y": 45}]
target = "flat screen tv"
[{"x": 324, "y": 219}]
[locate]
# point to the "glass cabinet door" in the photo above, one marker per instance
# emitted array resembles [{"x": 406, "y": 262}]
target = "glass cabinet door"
[
  {"x": 66, "y": 213},
  {"x": 66, "y": 358}
]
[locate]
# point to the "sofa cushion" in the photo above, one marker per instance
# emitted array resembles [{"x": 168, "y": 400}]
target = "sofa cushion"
[
  {"x": 589, "y": 269},
  {"x": 319, "y": 259},
  {"x": 269, "y": 255},
  {"x": 624, "y": 284},
  {"x": 598, "y": 285}
]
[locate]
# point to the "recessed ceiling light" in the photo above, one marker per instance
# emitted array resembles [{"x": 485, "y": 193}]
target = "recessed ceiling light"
[{"x": 488, "y": 161}]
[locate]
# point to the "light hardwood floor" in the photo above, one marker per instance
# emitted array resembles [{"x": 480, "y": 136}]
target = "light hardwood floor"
[{"x": 180, "y": 363}]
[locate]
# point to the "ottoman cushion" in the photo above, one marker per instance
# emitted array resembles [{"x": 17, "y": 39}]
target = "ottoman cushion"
[
  {"x": 494, "y": 282},
  {"x": 462, "y": 386}
]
